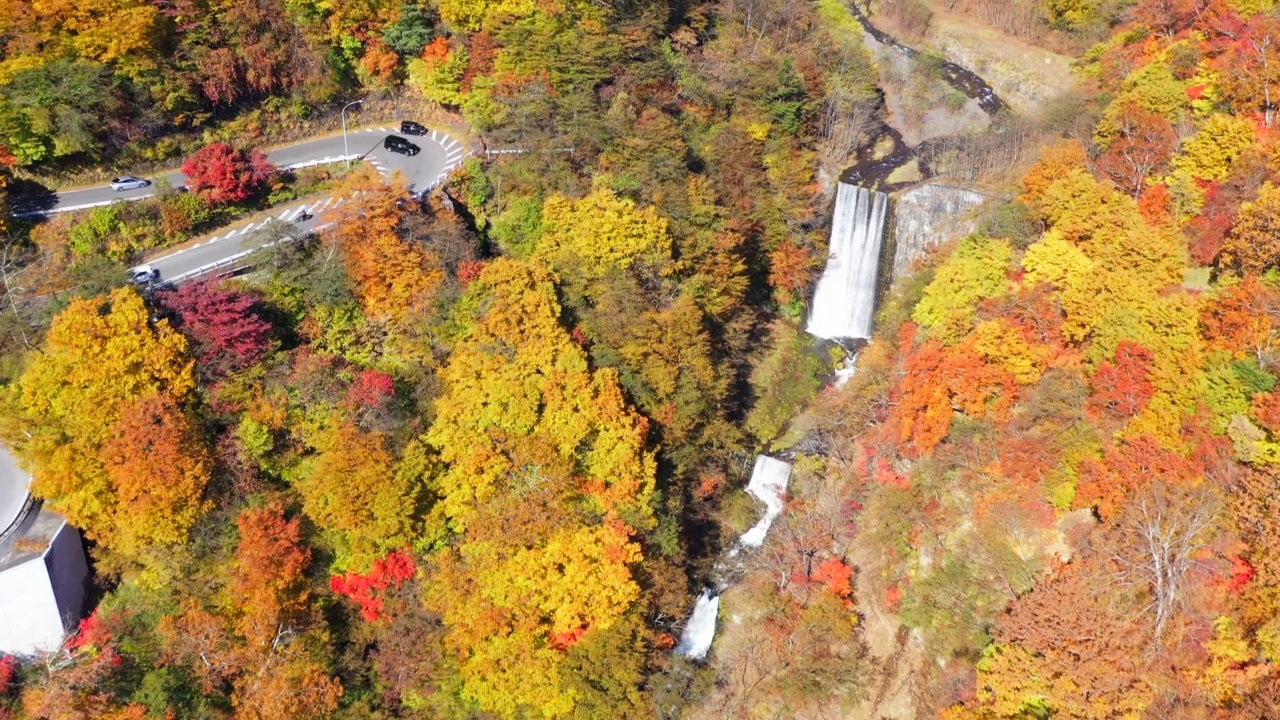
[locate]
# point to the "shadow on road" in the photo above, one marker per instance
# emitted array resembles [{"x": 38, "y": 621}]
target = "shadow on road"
[{"x": 30, "y": 197}]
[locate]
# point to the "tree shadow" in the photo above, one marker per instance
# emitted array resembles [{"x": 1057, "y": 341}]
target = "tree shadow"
[{"x": 28, "y": 198}]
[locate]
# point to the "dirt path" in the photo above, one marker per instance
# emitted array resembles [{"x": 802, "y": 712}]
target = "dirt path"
[{"x": 897, "y": 653}]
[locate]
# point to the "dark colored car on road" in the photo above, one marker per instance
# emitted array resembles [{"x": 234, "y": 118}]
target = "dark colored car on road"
[
  {"x": 397, "y": 144},
  {"x": 409, "y": 127}
]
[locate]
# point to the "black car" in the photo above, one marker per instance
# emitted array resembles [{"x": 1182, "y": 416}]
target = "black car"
[
  {"x": 409, "y": 127},
  {"x": 397, "y": 144}
]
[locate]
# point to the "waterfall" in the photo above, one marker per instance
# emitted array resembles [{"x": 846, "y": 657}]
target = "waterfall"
[
  {"x": 768, "y": 483},
  {"x": 698, "y": 633},
  {"x": 844, "y": 302}
]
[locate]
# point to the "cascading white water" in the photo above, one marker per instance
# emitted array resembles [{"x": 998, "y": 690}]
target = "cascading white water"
[
  {"x": 844, "y": 302},
  {"x": 698, "y": 633},
  {"x": 768, "y": 484},
  {"x": 845, "y": 372}
]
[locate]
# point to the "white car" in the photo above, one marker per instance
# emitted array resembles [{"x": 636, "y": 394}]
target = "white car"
[
  {"x": 128, "y": 182},
  {"x": 143, "y": 274}
]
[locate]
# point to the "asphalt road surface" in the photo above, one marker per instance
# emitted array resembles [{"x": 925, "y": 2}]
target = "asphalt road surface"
[
  {"x": 439, "y": 155},
  {"x": 421, "y": 170}
]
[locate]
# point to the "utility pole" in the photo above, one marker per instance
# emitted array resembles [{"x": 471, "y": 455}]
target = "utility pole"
[{"x": 345, "y": 153}]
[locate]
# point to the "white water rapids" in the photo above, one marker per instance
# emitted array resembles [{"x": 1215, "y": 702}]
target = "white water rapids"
[
  {"x": 768, "y": 484},
  {"x": 700, "y": 630},
  {"x": 844, "y": 302},
  {"x": 843, "y": 306}
]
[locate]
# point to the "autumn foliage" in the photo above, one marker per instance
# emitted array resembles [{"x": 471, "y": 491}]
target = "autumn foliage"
[
  {"x": 364, "y": 589},
  {"x": 223, "y": 174},
  {"x": 223, "y": 325},
  {"x": 473, "y": 452},
  {"x": 393, "y": 276}
]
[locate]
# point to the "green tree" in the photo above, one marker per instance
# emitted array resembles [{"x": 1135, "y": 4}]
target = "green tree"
[{"x": 54, "y": 109}]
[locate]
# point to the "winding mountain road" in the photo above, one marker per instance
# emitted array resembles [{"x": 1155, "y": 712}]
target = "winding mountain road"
[{"x": 440, "y": 154}]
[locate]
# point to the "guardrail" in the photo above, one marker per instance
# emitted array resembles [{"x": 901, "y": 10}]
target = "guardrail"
[
  {"x": 330, "y": 160},
  {"x": 323, "y": 161},
  {"x": 27, "y": 506},
  {"x": 521, "y": 151},
  {"x": 233, "y": 260}
]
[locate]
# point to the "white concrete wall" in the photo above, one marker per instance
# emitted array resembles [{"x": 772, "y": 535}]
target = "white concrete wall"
[
  {"x": 929, "y": 215},
  {"x": 14, "y": 486},
  {"x": 29, "y": 617}
]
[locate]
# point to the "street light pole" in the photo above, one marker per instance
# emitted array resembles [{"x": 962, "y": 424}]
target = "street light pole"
[{"x": 346, "y": 153}]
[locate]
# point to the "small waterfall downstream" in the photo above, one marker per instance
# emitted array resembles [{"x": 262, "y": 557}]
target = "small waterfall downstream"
[
  {"x": 700, "y": 630},
  {"x": 843, "y": 307},
  {"x": 844, "y": 302},
  {"x": 769, "y": 479},
  {"x": 768, "y": 484}
]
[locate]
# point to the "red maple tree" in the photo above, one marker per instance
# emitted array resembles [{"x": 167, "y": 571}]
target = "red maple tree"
[
  {"x": 223, "y": 324},
  {"x": 366, "y": 589},
  {"x": 1121, "y": 386},
  {"x": 371, "y": 389},
  {"x": 223, "y": 174}
]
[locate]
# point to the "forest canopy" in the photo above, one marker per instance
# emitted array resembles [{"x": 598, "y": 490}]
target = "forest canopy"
[{"x": 475, "y": 452}]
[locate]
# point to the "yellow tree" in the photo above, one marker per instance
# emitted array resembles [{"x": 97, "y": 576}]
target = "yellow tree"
[
  {"x": 600, "y": 233},
  {"x": 672, "y": 352},
  {"x": 350, "y": 491},
  {"x": 1118, "y": 278},
  {"x": 474, "y": 14},
  {"x": 1055, "y": 162},
  {"x": 1253, "y": 245},
  {"x": 100, "y": 355},
  {"x": 122, "y": 31},
  {"x": 1208, "y": 154},
  {"x": 974, "y": 272},
  {"x": 158, "y": 467},
  {"x": 614, "y": 260},
  {"x": 517, "y": 376},
  {"x": 546, "y": 477},
  {"x": 393, "y": 276}
]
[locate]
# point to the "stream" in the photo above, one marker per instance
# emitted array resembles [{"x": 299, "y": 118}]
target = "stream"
[
  {"x": 873, "y": 171},
  {"x": 842, "y": 310},
  {"x": 960, "y": 78}
]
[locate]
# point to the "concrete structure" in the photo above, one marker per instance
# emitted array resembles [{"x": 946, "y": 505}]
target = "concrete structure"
[
  {"x": 15, "y": 496},
  {"x": 43, "y": 572},
  {"x": 927, "y": 216}
]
